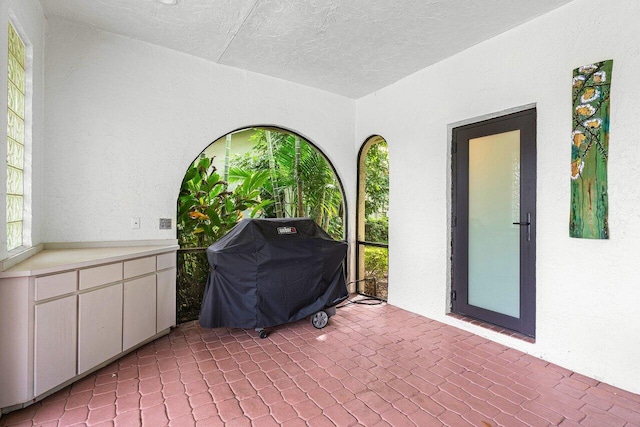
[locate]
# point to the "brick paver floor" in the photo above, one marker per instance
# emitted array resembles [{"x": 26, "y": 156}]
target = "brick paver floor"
[{"x": 372, "y": 365}]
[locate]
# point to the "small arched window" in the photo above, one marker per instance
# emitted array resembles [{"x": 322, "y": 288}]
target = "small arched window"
[{"x": 373, "y": 222}]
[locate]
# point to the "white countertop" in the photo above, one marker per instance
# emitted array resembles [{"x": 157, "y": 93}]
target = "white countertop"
[{"x": 56, "y": 260}]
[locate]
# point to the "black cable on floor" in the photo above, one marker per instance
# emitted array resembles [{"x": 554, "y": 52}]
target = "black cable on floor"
[{"x": 363, "y": 301}]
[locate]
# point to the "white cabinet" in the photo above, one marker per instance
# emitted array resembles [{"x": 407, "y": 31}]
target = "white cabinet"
[
  {"x": 69, "y": 318},
  {"x": 15, "y": 341},
  {"x": 99, "y": 326},
  {"x": 166, "y": 299},
  {"x": 55, "y": 343},
  {"x": 139, "y": 311}
]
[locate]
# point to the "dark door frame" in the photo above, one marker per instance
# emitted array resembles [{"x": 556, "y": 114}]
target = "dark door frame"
[{"x": 525, "y": 121}]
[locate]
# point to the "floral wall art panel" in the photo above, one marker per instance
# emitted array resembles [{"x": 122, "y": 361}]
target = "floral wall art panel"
[{"x": 590, "y": 150}]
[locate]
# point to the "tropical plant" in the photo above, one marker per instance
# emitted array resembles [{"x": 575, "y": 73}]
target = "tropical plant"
[
  {"x": 376, "y": 266},
  {"x": 376, "y": 229},
  {"x": 377, "y": 193},
  {"x": 281, "y": 176},
  {"x": 206, "y": 211},
  {"x": 193, "y": 270},
  {"x": 301, "y": 182},
  {"x": 376, "y": 224},
  {"x": 377, "y": 180}
]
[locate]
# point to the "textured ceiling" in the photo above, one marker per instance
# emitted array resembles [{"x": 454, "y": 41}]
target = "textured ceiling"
[{"x": 349, "y": 47}]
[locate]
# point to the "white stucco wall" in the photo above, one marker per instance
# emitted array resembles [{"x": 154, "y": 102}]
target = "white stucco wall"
[
  {"x": 27, "y": 18},
  {"x": 588, "y": 291},
  {"x": 125, "y": 118}
]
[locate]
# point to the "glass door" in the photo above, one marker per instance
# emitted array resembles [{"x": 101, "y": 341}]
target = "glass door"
[
  {"x": 494, "y": 222},
  {"x": 494, "y": 205}
]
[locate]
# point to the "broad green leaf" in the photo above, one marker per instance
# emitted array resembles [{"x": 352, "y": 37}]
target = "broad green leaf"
[
  {"x": 260, "y": 206},
  {"x": 215, "y": 218},
  {"x": 191, "y": 172}
]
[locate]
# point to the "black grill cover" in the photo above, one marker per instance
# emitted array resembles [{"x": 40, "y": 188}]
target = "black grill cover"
[{"x": 266, "y": 272}]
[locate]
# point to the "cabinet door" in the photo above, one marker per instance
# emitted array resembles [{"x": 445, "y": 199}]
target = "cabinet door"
[
  {"x": 166, "y": 299},
  {"x": 99, "y": 327},
  {"x": 55, "y": 343},
  {"x": 139, "y": 317}
]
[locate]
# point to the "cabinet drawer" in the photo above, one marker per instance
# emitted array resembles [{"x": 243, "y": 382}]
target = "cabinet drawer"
[
  {"x": 55, "y": 285},
  {"x": 138, "y": 267},
  {"x": 96, "y": 276},
  {"x": 165, "y": 261}
]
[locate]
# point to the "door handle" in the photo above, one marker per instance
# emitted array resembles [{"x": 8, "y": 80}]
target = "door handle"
[{"x": 527, "y": 224}]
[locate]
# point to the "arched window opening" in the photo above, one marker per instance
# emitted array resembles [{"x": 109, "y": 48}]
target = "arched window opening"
[
  {"x": 260, "y": 172},
  {"x": 373, "y": 222}
]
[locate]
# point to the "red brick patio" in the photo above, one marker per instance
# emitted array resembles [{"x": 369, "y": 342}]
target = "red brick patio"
[{"x": 372, "y": 365}]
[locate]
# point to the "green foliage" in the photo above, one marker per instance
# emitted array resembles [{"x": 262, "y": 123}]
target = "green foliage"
[
  {"x": 376, "y": 261},
  {"x": 376, "y": 225},
  {"x": 193, "y": 269},
  {"x": 377, "y": 230},
  {"x": 376, "y": 266},
  {"x": 269, "y": 180},
  {"x": 207, "y": 209},
  {"x": 296, "y": 170},
  {"x": 377, "y": 180}
]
